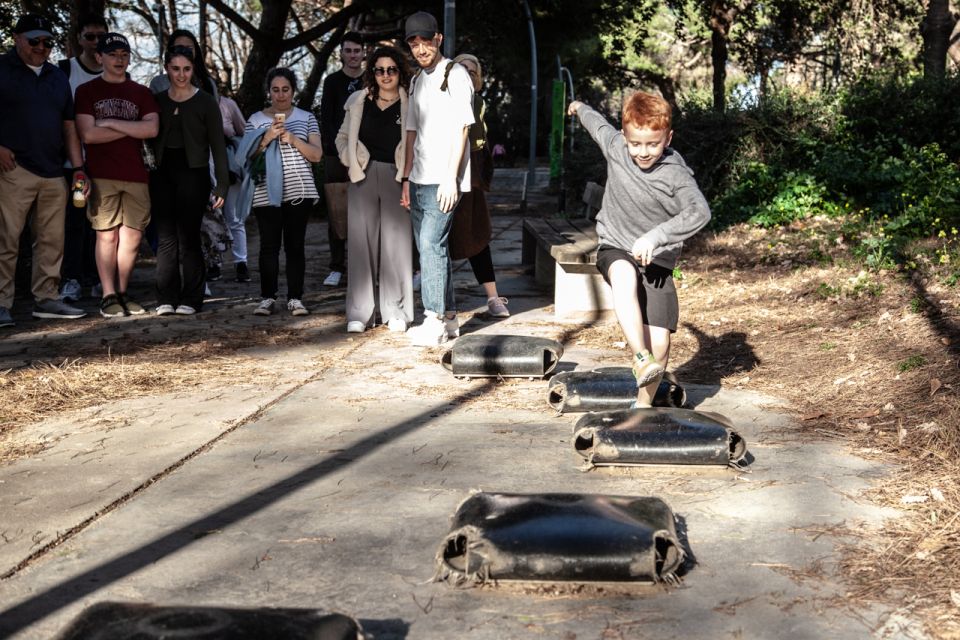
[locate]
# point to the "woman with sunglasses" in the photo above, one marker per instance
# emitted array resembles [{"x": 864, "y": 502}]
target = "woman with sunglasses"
[
  {"x": 293, "y": 135},
  {"x": 191, "y": 129},
  {"x": 371, "y": 144},
  {"x": 471, "y": 229}
]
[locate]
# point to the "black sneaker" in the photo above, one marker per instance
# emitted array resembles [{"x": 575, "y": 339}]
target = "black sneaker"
[
  {"x": 213, "y": 273},
  {"x": 243, "y": 273},
  {"x": 112, "y": 307}
]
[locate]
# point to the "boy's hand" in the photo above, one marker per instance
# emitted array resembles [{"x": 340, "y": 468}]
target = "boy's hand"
[
  {"x": 572, "y": 109},
  {"x": 643, "y": 251}
]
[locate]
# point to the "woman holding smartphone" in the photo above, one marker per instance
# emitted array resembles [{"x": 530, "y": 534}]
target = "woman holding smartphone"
[
  {"x": 371, "y": 143},
  {"x": 190, "y": 130},
  {"x": 285, "y": 223}
]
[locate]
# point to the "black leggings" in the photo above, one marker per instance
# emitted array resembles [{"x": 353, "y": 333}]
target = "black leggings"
[
  {"x": 285, "y": 225},
  {"x": 482, "y": 265},
  {"x": 178, "y": 196}
]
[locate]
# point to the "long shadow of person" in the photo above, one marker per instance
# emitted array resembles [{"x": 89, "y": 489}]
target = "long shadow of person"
[{"x": 716, "y": 358}]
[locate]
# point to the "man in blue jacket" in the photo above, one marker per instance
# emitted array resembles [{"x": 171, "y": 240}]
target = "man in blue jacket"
[{"x": 36, "y": 125}]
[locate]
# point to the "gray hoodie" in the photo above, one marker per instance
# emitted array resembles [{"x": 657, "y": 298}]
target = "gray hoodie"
[{"x": 662, "y": 204}]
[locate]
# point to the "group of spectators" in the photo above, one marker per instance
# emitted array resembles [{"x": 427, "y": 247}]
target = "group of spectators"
[{"x": 405, "y": 156}]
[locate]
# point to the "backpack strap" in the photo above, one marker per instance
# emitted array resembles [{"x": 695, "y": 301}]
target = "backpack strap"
[{"x": 446, "y": 75}]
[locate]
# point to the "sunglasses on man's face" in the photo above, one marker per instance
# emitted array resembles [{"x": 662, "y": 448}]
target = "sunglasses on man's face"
[
  {"x": 46, "y": 42},
  {"x": 389, "y": 71},
  {"x": 91, "y": 37}
]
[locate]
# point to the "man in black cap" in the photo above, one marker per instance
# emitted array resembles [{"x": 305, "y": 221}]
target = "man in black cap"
[
  {"x": 337, "y": 87},
  {"x": 36, "y": 125},
  {"x": 437, "y": 169},
  {"x": 114, "y": 116}
]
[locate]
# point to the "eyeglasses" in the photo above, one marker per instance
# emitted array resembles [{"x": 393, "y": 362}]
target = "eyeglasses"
[
  {"x": 90, "y": 37},
  {"x": 388, "y": 71},
  {"x": 46, "y": 42}
]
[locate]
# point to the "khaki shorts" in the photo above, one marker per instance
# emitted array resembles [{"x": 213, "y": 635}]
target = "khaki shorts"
[{"x": 118, "y": 202}]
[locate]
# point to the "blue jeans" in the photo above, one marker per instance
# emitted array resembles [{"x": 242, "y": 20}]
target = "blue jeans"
[{"x": 431, "y": 230}]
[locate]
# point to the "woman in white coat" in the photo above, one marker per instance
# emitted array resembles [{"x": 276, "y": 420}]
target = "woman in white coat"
[{"x": 371, "y": 145}]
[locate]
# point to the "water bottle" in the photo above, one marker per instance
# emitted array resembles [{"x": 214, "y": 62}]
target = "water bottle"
[{"x": 79, "y": 200}]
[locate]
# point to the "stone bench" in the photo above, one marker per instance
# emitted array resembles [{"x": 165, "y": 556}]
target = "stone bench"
[{"x": 563, "y": 252}]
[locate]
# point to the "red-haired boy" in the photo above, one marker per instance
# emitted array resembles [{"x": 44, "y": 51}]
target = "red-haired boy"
[{"x": 651, "y": 204}]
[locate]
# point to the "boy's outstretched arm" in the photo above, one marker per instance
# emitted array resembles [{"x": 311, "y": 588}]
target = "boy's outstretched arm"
[{"x": 602, "y": 132}]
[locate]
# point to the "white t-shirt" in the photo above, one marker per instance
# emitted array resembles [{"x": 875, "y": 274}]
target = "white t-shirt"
[
  {"x": 439, "y": 117},
  {"x": 79, "y": 75}
]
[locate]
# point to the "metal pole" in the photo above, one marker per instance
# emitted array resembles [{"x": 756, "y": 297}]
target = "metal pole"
[
  {"x": 532, "y": 163},
  {"x": 450, "y": 28},
  {"x": 573, "y": 119}
]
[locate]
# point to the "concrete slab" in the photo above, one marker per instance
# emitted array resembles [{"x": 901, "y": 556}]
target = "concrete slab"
[{"x": 332, "y": 486}]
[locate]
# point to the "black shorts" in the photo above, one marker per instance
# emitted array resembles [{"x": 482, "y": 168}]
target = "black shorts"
[
  {"x": 334, "y": 171},
  {"x": 656, "y": 290}
]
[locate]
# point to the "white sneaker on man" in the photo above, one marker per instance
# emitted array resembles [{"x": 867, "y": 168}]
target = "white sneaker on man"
[
  {"x": 452, "y": 327},
  {"x": 333, "y": 280},
  {"x": 432, "y": 333},
  {"x": 397, "y": 324}
]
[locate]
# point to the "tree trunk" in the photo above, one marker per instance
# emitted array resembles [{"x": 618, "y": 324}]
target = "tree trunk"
[
  {"x": 936, "y": 29},
  {"x": 721, "y": 17},
  {"x": 264, "y": 55}
]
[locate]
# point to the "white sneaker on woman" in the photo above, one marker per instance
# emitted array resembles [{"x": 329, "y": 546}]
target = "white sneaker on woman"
[
  {"x": 296, "y": 307},
  {"x": 497, "y": 307},
  {"x": 265, "y": 307},
  {"x": 355, "y": 326},
  {"x": 397, "y": 324}
]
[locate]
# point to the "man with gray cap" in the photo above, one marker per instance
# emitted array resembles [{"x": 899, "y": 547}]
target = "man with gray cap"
[
  {"x": 36, "y": 125},
  {"x": 437, "y": 170}
]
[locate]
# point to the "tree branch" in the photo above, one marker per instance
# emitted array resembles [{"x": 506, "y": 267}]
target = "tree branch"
[
  {"x": 314, "y": 32},
  {"x": 241, "y": 23}
]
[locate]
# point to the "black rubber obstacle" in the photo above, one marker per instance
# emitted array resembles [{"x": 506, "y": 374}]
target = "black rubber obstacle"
[
  {"x": 123, "y": 621},
  {"x": 607, "y": 389},
  {"x": 560, "y": 537},
  {"x": 492, "y": 356},
  {"x": 657, "y": 436}
]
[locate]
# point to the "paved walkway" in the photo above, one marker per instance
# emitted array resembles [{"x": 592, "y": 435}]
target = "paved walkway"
[{"x": 329, "y": 484}]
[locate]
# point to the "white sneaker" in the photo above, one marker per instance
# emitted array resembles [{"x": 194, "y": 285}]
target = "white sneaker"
[
  {"x": 416, "y": 281},
  {"x": 165, "y": 310},
  {"x": 355, "y": 326},
  {"x": 432, "y": 333},
  {"x": 333, "y": 280},
  {"x": 452, "y": 327},
  {"x": 397, "y": 324},
  {"x": 265, "y": 307},
  {"x": 296, "y": 307},
  {"x": 185, "y": 310},
  {"x": 497, "y": 307},
  {"x": 70, "y": 291}
]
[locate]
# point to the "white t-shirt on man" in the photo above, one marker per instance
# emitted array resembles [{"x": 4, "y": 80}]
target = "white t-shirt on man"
[{"x": 439, "y": 117}]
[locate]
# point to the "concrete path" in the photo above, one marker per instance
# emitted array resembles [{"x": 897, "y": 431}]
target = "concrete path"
[{"x": 330, "y": 485}]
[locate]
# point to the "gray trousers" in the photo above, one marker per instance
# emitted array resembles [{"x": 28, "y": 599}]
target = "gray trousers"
[{"x": 379, "y": 244}]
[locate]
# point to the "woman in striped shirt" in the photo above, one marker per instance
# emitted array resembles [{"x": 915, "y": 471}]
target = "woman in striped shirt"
[{"x": 298, "y": 134}]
